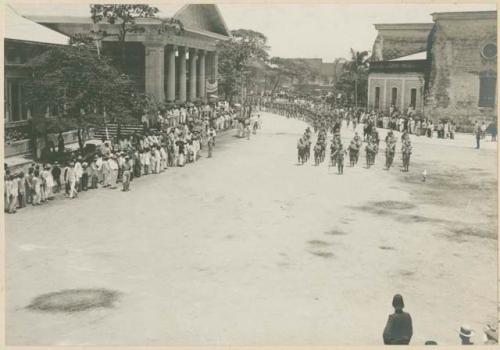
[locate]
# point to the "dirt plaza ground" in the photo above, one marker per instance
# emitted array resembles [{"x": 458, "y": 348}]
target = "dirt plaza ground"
[{"x": 249, "y": 248}]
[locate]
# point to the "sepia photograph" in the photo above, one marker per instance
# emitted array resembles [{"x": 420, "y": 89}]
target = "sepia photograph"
[{"x": 250, "y": 174}]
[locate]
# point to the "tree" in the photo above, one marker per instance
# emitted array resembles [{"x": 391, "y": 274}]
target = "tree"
[
  {"x": 80, "y": 86},
  {"x": 125, "y": 15},
  {"x": 293, "y": 69},
  {"x": 356, "y": 74},
  {"x": 235, "y": 59}
]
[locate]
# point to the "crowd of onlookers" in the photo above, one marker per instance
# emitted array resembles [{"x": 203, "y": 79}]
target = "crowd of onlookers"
[
  {"x": 174, "y": 142},
  {"x": 408, "y": 121}
]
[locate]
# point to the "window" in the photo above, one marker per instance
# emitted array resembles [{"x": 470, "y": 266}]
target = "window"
[
  {"x": 14, "y": 103},
  {"x": 377, "y": 97},
  {"x": 394, "y": 96},
  {"x": 489, "y": 51},
  {"x": 413, "y": 98},
  {"x": 487, "y": 90}
]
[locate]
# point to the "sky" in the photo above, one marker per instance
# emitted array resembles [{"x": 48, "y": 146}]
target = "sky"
[{"x": 326, "y": 31}]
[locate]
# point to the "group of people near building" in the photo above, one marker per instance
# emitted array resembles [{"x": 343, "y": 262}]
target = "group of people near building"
[{"x": 122, "y": 158}]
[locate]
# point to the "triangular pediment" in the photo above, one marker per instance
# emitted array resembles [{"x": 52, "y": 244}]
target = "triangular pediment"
[{"x": 203, "y": 17}]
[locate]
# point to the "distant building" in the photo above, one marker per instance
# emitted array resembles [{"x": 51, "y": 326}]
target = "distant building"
[
  {"x": 23, "y": 41},
  {"x": 324, "y": 73},
  {"x": 452, "y": 75}
]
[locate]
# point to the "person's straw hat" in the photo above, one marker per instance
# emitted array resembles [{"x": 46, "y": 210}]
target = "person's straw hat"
[{"x": 466, "y": 331}]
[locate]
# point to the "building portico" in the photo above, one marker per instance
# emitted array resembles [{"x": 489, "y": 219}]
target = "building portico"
[{"x": 175, "y": 64}]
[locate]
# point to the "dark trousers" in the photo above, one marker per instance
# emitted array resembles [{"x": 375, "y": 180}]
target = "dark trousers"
[
  {"x": 85, "y": 182},
  {"x": 58, "y": 185},
  {"x": 93, "y": 181},
  {"x": 478, "y": 140},
  {"x": 21, "y": 200}
]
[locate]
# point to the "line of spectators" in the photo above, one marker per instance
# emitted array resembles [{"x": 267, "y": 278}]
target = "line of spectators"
[{"x": 175, "y": 143}]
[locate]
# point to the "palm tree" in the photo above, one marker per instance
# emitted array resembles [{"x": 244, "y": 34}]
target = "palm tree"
[{"x": 356, "y": 66}]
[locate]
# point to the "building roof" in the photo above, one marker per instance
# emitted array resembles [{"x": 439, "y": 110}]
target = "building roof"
[
  {"x": 422, "y": 55},
  {"x": 20, "y": 28},
  {"x": 415, "y": 66},
  {"x": 469, "y": 15},
  {"x": 403, "y": 26},
  {"x": 205, "y": 19}
]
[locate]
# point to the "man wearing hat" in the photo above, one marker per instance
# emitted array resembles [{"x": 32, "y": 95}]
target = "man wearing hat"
[
  {"x": 56, "y": 175},
  {"x": 93, "y": 173},
  {"x": 398, "y": 329},
  {"x": 126, "y": 174},
  {"x": 466, "y": 333},
  {"x": 113, "y": 170},
  {"x": 85, "y": 176},
  {"x": 78, "y": 173},
  {"x": 71, "y": 180},
  {"x": 105, "y": 171}
]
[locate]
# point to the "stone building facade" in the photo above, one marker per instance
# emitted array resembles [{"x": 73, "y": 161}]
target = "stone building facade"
[
  {"x": 399, "y": 39},
  {"x": 453, "y": 77},
  {"x": 461, "y": 82}
]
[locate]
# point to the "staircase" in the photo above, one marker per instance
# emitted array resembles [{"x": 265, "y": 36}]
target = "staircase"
[{"x": 126, "y": 130}]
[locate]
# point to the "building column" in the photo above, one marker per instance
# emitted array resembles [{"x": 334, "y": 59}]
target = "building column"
[
  {"x": 384, "y": 106},
  {"x": 182, "y": 74},
  {"x": 201, "y": 76},
  {"x": 192, "y": 75},
  {"x": 369, "y": 103},
  {"x": 154, "y": 74},
  {"x": 403, "y": 96},
  {"x": 171, "y": 74},
  {"x": 215, "y": 68}
]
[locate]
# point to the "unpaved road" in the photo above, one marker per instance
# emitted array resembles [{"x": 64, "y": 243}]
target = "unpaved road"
[{"x": 250, "y": 249}]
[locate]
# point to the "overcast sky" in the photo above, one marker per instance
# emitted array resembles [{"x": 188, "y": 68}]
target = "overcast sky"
[{"x": 295, "y": 30}]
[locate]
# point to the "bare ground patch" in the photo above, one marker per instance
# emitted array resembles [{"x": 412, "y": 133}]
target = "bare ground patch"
[
  {"x": 318, "y": 243},
  {"x": 322, "y": 254},
  {"x": 335, "y": 232},
  {"x": 393, "y": 205},
  {"x": 464, "y": 231},
  {"x": 405, "y": 218},
  {"x": 74, "y": 300}
]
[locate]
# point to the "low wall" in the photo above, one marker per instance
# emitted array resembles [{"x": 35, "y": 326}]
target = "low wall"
[{"x": 23, "y": 147}]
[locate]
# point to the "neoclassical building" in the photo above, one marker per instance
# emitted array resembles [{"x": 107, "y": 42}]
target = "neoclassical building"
[{"x": 170, "y": 67}]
